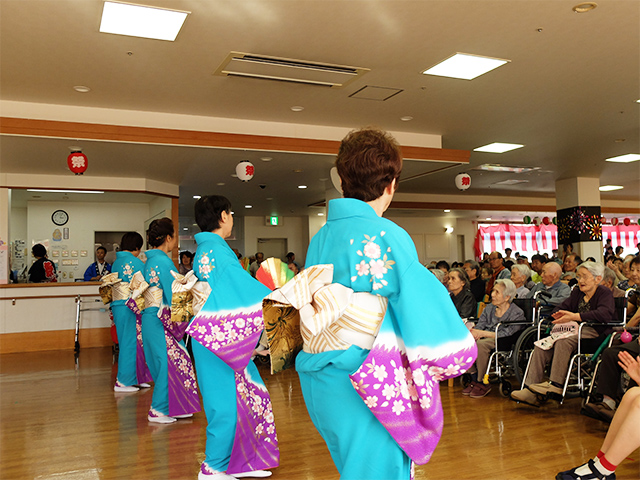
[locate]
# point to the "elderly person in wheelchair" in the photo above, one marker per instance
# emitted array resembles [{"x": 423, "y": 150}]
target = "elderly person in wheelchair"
[
  {"x": 591, "y": 303},
  {"x": 500, "y": 310}
]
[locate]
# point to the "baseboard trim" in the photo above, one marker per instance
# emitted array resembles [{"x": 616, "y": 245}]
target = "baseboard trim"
[{"x": 54, "y": 340}]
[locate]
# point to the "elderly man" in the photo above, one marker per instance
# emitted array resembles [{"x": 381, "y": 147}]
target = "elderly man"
[
  {"x": 609, "y": 280},
  {"x": 551, "y": 283},
  {"x": 476, "y": 284},
  {"x": 499, "y": 272},
  {"x": 253, "y": 268}
]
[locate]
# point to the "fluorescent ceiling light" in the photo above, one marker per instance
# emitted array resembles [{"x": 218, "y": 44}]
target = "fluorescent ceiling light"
[
  {"x": 465, "y": 66},
  {"x": 610, "y": 188},
  {"x": 495, "y": 167},
  {"x": 497, "y": 147},
  {"x": 447, "y": 211},
  {"x": 629, "y": 157},
  {"x": 63, "y": 191},
  {"x": 140, "y": 21},
  {"x": 511, "y": 182},
  {"x": 197, "y": 197}
]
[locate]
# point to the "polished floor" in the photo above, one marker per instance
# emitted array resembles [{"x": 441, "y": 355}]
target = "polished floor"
[{"x": 62, "y": 421}]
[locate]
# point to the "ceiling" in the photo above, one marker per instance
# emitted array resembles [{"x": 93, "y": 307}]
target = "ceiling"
[{"x": 568, "y": 94}]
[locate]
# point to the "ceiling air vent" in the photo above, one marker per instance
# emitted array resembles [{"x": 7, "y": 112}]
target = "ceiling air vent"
[{"x": 288, "y": 70}]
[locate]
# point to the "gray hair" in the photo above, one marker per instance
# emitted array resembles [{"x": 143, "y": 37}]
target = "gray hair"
[
  {"x": 523, "y": 269},
  {"x": 594, "y": 268},
  {"x": 509, "y": 288},
  {"x": 609, "y": 276},
  {"x": 438, "y": 273},
  {"x": 462, "y": 274},
  {"x": 474, "y": 266}
]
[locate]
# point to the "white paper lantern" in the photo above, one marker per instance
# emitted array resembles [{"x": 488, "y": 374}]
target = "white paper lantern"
[
  {"x": 463, "y": 181},
  {"x": 245, "y": 170}
]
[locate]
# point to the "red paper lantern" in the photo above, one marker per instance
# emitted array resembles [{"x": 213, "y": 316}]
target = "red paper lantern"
[
  {"x": 603, "y": 220},
  {"x": 627, "y": 222},
  {"x": 614, "y": 221},
  {"x": 77, "y": 162},
  {"x": 546, "y": 220}
]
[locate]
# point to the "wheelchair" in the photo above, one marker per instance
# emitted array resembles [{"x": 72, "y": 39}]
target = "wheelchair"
[
  {"x": 581, "y": 371},
  {"x": 511, "y": 354}
]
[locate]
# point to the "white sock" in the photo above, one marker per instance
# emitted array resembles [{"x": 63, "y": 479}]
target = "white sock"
[
  {"x": 610, "y": 402},
  {"x": 583, "y": 469},
  {"x": 602, "y": 469}
]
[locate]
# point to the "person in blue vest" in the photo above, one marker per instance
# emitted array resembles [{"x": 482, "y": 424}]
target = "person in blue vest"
[{"x": 99, "y": 268}]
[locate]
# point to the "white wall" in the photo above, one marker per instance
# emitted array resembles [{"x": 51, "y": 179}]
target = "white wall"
[
  {"x": 294, "y": 229},
  {"x": 84, "y": 220}
]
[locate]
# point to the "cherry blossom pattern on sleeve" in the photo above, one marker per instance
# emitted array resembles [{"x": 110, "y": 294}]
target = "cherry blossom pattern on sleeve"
[
  {"x": 372, "y": 265},
  {"x": 206, "y": 265}
]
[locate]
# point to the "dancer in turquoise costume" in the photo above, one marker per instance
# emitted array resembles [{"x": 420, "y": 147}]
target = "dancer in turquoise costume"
[
  {"x": 241, "y": 436},
  {"x": 132, "y": 367},
  {"x": 175, "y": 393},
  {"x": 371, "y": 389}
]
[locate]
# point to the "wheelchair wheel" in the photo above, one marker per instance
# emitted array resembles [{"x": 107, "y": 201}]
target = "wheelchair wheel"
[
  {"x": 505, "y": 388},
  {"x": 522, "y": 351},
  {"x": 465, "y": 379}
]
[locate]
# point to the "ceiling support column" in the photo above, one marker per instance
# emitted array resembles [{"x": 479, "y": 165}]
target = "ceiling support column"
[{"x": 578, "y": 214}]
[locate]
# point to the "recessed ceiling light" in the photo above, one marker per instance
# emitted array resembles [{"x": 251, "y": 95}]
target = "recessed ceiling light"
[
  {"x": 62, "y": 191},
  {"x": 584, "y": 7},
  {"x": 196, "y": 197},
  {"x": 141, "y": 21},
  {"x": 234, "y": 175},
  {"x": 610, "y": 188},
  {"x": 488, "y": 218},
  {"x": 638, "y": 101},
  {"x": 511, "y": 182},
  {"x": 248, "y": 206},
  {"x": 495, "y": 167},
  {"x": 321, "y": 214},
  {"x": 447, "y": 211},
  {"x": 297, "y": 170},
  {"x": 629, "y": 157},
  {"x": 465, "y": 66},
  {"x": 195, "y": 224},
  {"x": 269, "y": 198},
  {"x": 232, "y": 212},
  {"x": 220, "y": 184},
  {"x": 297, "y": 108},
  {"x": 266, "y": 159},
  {"x": 406, "y": 119},
  {"x": 185, "y": 228},
  {"x": 302, "y": 187},
  {"x": 81, "y": 89},
  {"x": 497, "y": 147}
]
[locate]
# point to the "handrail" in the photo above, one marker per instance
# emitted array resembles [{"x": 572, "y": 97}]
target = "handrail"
[{"x": 41, "y": 297}]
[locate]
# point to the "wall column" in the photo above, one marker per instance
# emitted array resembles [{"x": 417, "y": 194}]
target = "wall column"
[
  {"x": 578, "y": 214},
  {"x": 5, "y": 205}
]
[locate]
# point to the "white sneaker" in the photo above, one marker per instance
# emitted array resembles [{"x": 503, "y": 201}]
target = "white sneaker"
[
  {"x": 254, "y": 474},
  {"x": 215, "y": 476},
  {"x": 144, "y": 385},
  {"x": 156, "y": 417},
  {"x": 123, "y": 388}
]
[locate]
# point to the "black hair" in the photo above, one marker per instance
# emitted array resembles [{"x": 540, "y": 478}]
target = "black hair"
[
  {"x": 443, "y": 263},
  {"x": 159, "y": 230},
  {"x": 187, "y": 254},
  {"x": 540, "y": 258},
  {"x": 101, "y": 248},
  {"x": 208, "y": 211},
  {"x": 39, "y": 250},
  {"x": 635, "y": 261},
  {"x": 131, "y": 241}
]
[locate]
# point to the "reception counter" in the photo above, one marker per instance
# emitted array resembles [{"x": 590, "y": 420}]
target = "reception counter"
[{"x": 42, "y": 316}]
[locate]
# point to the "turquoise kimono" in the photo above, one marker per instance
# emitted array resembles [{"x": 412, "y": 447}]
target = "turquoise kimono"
[
  {"x": 379, "y": 409},
  {"x": 175, "y": 391},
  {"x": 241, "y": 435},
  {"x": 132, "y": 366}
]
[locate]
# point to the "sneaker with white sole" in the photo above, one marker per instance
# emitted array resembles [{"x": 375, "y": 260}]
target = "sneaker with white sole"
[
  {"x": 187, "y": 415},
  {"x": 254, "y": 474},
  {"x": 207, "y": 473},
  {"x": 157, "y": 417},
  {"x": 124, "y": 388},
  {"x": 144, "y": 385}
]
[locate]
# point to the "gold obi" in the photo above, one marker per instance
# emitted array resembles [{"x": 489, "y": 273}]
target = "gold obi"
[
  {"x": 106, "y": 289},
  {"x": 181, "y": 296},
  {"x": 121, "y": 291},
  {"x": 152, "y": 297}
]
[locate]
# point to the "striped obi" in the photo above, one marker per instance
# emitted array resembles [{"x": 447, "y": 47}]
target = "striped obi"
[
  {"x": 152, "y": 297},
  {"x": 121, "y": 291},
  {"x": 332, "y": 316}
]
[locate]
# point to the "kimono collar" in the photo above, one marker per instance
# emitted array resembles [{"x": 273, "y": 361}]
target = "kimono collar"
[
  {"x": 123, "y": 254},
  {"x": 203, "y": 237},
  {"x": 155, "y": 252},
  {"x": 349, "y": 207}
]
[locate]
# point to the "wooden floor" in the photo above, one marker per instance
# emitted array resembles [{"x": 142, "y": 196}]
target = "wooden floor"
[{"x": 62, "y": 421}]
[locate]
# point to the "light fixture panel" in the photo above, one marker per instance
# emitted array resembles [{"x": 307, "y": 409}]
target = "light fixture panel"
[
  {"x": 141, "y": 21},
  {"x": 465, "y": 66},
  {"x": 628, "y": 158},
  {"x": 610, "y": 188},
  {"x": 498, "y": 147}
]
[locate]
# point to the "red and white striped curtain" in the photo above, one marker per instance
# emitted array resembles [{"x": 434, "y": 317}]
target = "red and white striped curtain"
[{"x": 532, "y": 238}]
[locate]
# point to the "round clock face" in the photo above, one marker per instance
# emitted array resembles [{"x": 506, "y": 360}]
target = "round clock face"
[{"x": 60, "y": 217}]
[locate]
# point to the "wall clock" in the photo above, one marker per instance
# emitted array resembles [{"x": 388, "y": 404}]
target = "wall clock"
[{"x": 60, "y": 217}]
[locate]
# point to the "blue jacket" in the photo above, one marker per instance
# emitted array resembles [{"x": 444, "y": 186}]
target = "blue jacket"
[{"x": 92, "y": 271}]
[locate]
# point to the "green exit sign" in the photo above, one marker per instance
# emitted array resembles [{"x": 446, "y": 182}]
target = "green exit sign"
[{"x": 273, "y": 221}]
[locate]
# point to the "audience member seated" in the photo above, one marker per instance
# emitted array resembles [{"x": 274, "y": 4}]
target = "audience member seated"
[
  {"x": 519, "y": 276},
  {"x": 623, "y": 437},
  {"x": 622, "y": 272},
  {"x": 499, "y": 271},
  {"x": 476, "y": 284},
  {"x": 443, "y": 265},
  {"x": 550, "y": 283},
  {"x": 461, "y": 295},
  {"x": 609, "y": 280},
  {"x": 499, "y": 310},
  {"x": 569, "y": 268},
  {"x": 537, "y": 262},
  {"x": 440, "y": 275},
  {"x": 590, "y": 302},
  {"x": 186, "y": 262}
]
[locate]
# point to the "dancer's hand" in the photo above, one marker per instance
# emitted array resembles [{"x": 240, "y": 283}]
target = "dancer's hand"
[{"x": 630, "y": 365}]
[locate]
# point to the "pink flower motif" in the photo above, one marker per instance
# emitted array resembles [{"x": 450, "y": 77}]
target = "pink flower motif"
[
  {"x": 418, "y": 377},
  {"x": 452, "y": 371},
  {"x": 371, "y": 402},
  {"x": 398, "y": 407},
  {"x": 362, "y": 268},
  {"x": 271, "y": 429},
  {"x": 425, "y": 402},
  {"x": 378, "y": 268},
  {"x": 240, "y": 323},
  {"x": 389, "y": 391},
  {"x": 372, "y": 250},
  {"x": 436, "y": 373},
  {"x": 259, "y": 429},
  {"x": 380, "y": 372}
]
